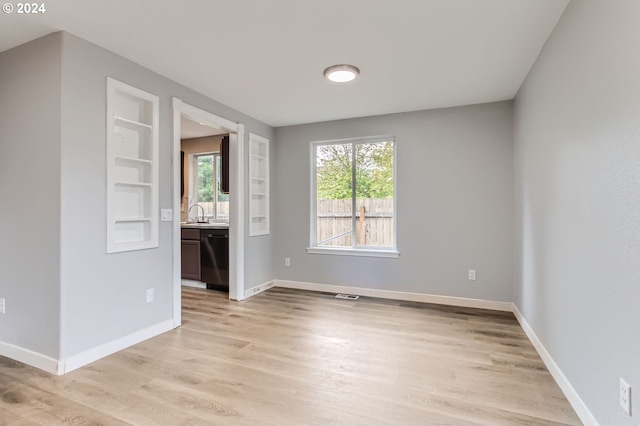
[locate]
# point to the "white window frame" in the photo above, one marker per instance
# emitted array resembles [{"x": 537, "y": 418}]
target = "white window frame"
[
  {"x": 193, "y": 183},
  {"x": 354, "y": 250}
]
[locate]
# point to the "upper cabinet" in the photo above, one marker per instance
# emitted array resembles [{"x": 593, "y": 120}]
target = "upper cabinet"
[
  {"x": 132, "y": 168},
  {"x": 259, "y": 185},
  {"x": 224, "y": 175}
]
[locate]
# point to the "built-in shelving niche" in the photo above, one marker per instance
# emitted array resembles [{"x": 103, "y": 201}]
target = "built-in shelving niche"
[
  {"x": 132, "y": 168},
  {"x": 259, "y": 185}
]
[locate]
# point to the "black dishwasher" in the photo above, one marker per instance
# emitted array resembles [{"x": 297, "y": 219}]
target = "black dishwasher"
[{"x": 214, "y": 258}]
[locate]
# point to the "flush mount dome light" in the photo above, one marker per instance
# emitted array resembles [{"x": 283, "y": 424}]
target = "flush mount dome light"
[{"x": 341, "y": 73}]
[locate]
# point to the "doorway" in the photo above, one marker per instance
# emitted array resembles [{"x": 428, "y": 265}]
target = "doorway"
[{"x": 182, "y": 111}]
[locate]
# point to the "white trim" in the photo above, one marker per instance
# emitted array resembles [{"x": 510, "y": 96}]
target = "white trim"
[
  {"x": 116, "y": 89},
  {"x": 106, "y": 349},
  {"x": 399, "y": 295},
  {"x": 210, "y": 119},
  {"x": 176, "y": 232},
  {"x": 258, "y": 289},
  {"x": 192, "y": 160},
  {"x": 355, "y": 248},
  {"x": 29, "y": 357},
  {"x": 253, "y": 214},
  {"x": 237, "y": 219},
  {"x": 313, "y": 199},
  {"x": 347, "y": 251},
  {"x": 63, "y": 366},
  {"x": 358, "y": 140},
  {"x": 193, "y": 283},
  {"x": 570, "y": 393}
]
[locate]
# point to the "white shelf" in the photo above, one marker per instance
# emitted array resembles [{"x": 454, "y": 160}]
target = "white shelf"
[
  {"x": 133, "y": 159},
  {"x": 132, "y": 168},
  {"x": 259, "y": 185},
  {"x": 123, "y": 122},
  {"x": 142, "y": 184}
]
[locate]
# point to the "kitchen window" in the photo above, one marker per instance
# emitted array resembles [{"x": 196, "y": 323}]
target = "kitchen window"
[
  {"x": 353, "y": 197},
  {"x": 207, "y": 173}
]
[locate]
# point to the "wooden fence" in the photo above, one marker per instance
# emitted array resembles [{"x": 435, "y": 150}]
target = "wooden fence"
[
  {"x": 334, "y": 218},
  {"x": 223, "y": 209},
  {"x": 374, "y": 222}
]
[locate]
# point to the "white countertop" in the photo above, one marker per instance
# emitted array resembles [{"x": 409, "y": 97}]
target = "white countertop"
[{"x": 215, "y": 225}]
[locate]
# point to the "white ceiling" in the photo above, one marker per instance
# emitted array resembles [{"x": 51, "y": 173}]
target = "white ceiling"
[
  {"x": 190, "y": 129},
  {"x": 266, "y": 57}
]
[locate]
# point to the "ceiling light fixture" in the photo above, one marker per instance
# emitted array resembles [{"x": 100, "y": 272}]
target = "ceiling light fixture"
[{"x": 341, "y": 73}]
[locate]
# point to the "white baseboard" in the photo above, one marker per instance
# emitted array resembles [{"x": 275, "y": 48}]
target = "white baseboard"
[
  {"x": 29, "y": 357},
  {"x": 94, "y": 354},
  {"x": 399, "y": 295},
  {"x": 574, "y": 399},
  {"x": 58, "y": 367},
  {"x": 63, "y": 366},
  {"x": 258, "y": 289},
  {"x": 570, "y": 393},
  {"x": 193, "y": 283}
]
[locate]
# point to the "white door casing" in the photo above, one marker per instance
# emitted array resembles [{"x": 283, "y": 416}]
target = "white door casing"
[{"x": 237, "y": 217}]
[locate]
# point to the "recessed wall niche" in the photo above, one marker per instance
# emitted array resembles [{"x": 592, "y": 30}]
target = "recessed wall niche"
[{"x": 132, "y": 168}]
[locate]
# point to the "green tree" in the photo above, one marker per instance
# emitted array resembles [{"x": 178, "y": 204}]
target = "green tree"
[
  {"x": 334, "y": 171},
  {"x": 373, "y": 165},
  {"x": 205, "y": 178}
]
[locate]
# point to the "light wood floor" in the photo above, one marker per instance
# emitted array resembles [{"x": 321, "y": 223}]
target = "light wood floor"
[{"x": 288, "y": 357}]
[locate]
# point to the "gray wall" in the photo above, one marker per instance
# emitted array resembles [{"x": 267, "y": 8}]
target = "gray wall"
[
  {"x": 103, "y": 296},
  {"x": 454, "y": 203},
  {"x": 30, "y": 194},
  {"x": 64, "y": 294},
  {"x": 577, "y": 158}
]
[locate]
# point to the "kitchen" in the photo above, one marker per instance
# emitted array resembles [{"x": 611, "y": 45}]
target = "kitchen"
[{"x": 204, "y": 206}]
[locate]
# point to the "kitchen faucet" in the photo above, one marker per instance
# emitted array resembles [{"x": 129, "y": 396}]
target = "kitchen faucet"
[{"x": 197, "y": 205}]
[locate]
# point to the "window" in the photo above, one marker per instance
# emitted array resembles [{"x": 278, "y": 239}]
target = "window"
[
  {"x": 353, "y": 197},
  {"x": 207, "y": 169}
]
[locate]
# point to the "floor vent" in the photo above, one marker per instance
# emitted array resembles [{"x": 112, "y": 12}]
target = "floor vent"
[{"x": 347, "y": 296}]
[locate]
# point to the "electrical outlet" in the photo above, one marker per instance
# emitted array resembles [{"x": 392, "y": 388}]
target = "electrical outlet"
[
  {"x": 472, "y": 274},
  {"x": 625, "y": 396},
  {"x": 149, "y": 295},
  {"x": 287, "y": 261},
  {"x": 1, "y": 305}
]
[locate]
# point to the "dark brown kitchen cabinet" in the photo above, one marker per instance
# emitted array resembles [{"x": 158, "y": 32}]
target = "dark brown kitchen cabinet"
[
  {"x": 190, "y": 254},
  {"x": 224, "y": 157}
]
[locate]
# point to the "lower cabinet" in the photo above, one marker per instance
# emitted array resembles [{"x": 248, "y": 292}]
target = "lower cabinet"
[
  {"x": 190, "y": 254},
  {"x": 214, "y": 258},
  {"x": 205, "y": 256}
]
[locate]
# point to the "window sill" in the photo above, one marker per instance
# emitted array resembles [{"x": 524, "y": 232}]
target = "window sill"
[{"x": 343, "y": 251}]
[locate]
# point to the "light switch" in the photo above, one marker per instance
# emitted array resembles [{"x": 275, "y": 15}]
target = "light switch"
[{"x": 166, "y": 215}]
